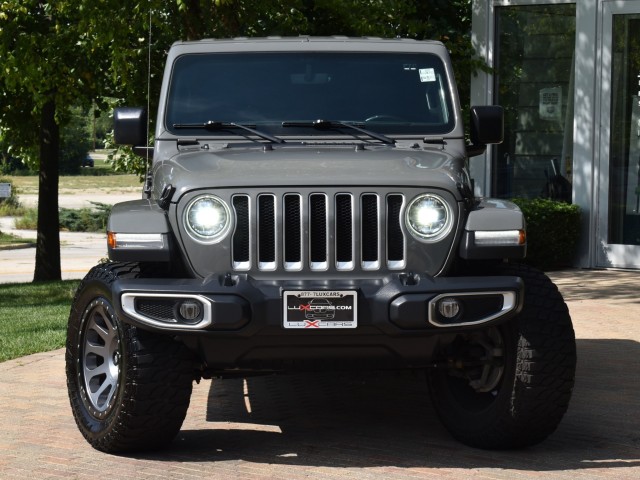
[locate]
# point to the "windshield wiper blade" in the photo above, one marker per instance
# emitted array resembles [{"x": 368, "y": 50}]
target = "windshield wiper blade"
[
  {"x": 213, "y": 126},
  {"x": 333, "y": 124}
]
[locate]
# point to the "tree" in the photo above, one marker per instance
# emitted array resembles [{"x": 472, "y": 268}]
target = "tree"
[
  {"x": 56, "y": 54},
  {"x": 446, "y": 20},
  {"x": 44, "y": 70}
]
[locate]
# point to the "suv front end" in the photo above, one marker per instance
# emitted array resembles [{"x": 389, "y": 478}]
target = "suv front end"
[{"x": 309, "y": 208}]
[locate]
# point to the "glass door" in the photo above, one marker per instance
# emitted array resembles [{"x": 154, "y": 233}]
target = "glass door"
[
  {"x": 534, "y": 83},
  {"x": 619, "y": 179}
]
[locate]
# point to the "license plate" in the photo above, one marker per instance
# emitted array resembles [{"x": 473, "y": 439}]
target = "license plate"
[{"x": 320, "y": 309}]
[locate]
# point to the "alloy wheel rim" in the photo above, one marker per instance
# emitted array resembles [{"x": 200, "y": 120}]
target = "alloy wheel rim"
[{"x": 100, "y": 359}]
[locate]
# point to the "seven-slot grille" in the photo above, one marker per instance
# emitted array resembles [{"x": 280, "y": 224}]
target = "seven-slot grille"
[{"x": 318, "y": 231}]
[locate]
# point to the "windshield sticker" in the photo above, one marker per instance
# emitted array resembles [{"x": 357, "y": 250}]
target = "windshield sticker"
[{"x": 427, "y": 75}]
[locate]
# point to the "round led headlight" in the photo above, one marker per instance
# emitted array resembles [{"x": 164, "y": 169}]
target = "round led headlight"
[
  {"x": 428, "y": 217},
  {"x": 207, "y": 219}
]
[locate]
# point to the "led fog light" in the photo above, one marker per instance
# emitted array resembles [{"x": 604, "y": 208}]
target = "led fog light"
[
  {"x": 190, "y": 311},
  {"x": 449, "y": 307}
]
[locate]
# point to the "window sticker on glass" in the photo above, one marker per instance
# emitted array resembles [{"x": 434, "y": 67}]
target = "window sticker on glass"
[{"x": 427, "y": 75}]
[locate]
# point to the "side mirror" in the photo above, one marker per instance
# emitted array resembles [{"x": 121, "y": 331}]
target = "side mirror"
[
  {"x": 130, "y": 126},
  {"x": 486, "y": 127}
]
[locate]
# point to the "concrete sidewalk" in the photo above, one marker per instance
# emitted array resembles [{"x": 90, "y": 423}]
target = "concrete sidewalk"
[{"x": 373, "y": 426}]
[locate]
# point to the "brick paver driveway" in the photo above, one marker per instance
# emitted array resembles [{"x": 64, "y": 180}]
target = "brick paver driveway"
[{"x": 371, "y": 426}]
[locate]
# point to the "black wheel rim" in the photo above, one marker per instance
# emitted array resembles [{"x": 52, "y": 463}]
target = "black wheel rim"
[{"x": 477, "y": 373}]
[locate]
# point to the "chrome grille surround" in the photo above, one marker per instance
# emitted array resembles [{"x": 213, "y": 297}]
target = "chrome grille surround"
[{"x": 318, "y": 231}]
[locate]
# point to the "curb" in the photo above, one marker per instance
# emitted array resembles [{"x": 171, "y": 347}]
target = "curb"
[{"x": 17, "y": 246}]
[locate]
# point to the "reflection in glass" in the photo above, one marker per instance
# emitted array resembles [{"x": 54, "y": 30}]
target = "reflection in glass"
[
  {"x": 534, "y": 83},
  {"x": 624, "y": 159}
]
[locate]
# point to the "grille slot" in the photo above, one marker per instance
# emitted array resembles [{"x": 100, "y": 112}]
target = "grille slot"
[
  {"x": 395, "y": 238},
  {"x": 266, "y": 232},
  {"x": 318, "y": 231},
  {"x": 344, "y": 231},
  {"x": 292, "y": 232},
  {"x": 241, "y": 236},
  {"x": 370, "y": 232}
]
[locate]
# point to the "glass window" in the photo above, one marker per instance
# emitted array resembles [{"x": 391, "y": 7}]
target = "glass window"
[
  {"x": 390, "y": 93},
  {"x": 624, "y": 155},
  {"x": 534, "y": 83}
]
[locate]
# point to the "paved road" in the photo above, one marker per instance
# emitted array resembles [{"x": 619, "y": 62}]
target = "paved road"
[
  {"x": 375, "y": 426},
  {"x": 78, "y": 253}
]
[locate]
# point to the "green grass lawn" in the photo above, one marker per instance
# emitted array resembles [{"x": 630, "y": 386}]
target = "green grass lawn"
[
  {"x": 69, "y": 184},
  {"x": 8, "y": 239},
  {"x": 33, "y": 317}
]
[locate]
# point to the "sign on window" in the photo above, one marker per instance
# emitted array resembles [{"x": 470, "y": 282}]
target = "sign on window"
[{"x": 550, "y": 106}]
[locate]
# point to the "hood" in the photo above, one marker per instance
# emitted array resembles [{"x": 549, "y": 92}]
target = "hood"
[{"x": 310, "y": 166}]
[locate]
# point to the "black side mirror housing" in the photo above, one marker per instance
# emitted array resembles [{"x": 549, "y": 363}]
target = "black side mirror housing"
[
  {"x": 486, "y": 127},
  {"x": 130, "y": 126}
]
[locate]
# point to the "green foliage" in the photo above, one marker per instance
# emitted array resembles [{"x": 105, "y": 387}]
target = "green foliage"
[
  {"x": 74, "y": 140},
  {"x": 124, "y": 34},
  {"x": 553, "y": 231},
  {"x": 14, "y": 160},
  {"x": 11, "y": 165},
  {"x": 101, "y": 126},
  {"x": 70, "y": 51},
  {"x": 50, "y": 61},
  {"x": 85, "y": 219},
  {"x": 74, "y": 52},
  {"x": 28, "y": 220},
  {"x": 46, "y": 58},
  {"x": 123, "y": 160},
  {"x": 33, "y": 317},
  {"x": 71, "y": 220}
]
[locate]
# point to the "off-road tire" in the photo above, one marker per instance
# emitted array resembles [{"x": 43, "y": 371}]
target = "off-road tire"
[
  {"x": 538, "y": 357},
  {"x": 145, "y": 378}
]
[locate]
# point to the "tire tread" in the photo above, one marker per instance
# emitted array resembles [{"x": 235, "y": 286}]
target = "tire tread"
[
  {"x": 544, "y": 372},
  {"x": 158, "y": 379}
]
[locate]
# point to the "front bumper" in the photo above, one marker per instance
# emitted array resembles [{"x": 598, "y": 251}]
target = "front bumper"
[
  {"x": 242, "y": 322},
  {"x": 243, "y": 306}
]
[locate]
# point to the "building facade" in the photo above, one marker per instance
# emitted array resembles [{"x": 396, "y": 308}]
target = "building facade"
[{"x": 568, "y": 75}]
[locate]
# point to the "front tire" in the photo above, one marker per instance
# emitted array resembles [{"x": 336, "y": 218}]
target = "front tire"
[
  {"x": 509, "y": 386},
  {"x": 129, "y": 389}
]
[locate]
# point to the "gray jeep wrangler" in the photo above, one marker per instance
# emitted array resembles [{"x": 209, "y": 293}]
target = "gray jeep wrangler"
[{"x": 309, "y": 207}]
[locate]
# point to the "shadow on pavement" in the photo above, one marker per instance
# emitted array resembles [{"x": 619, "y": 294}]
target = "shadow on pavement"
[
  {"x": 609, "y": 285},
  {"x": 386, "y": 419}
]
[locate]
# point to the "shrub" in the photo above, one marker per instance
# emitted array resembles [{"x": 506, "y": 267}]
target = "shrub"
[
  {"x": 85, "y": 219},
  {"x": 72, "y": 220},
  {"x": 553, "y": 231},
  {"x": 28, "y": 220}
]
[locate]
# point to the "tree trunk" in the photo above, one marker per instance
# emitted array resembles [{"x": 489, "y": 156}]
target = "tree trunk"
[{"x": 48, "y": 243}]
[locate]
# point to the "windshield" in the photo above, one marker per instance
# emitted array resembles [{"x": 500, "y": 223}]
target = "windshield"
[{"x": 389, "y": 93}]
